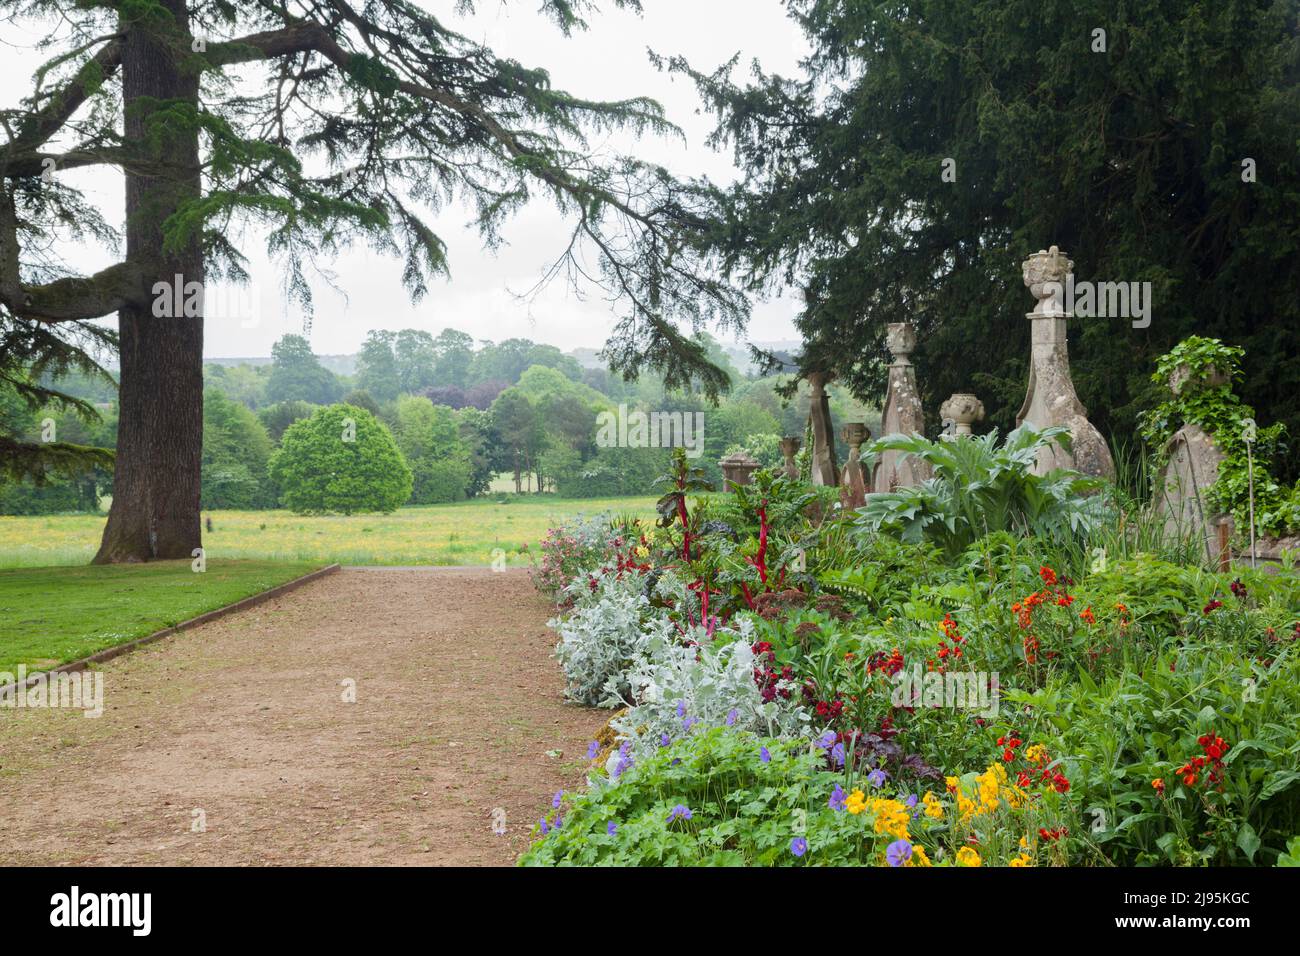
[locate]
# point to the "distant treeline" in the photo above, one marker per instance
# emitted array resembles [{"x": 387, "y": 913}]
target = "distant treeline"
[{"x": 459, "y": 414}]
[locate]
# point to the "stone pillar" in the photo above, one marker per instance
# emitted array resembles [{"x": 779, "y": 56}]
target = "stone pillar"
[
  {"x": 737, "y": 469},
  {"x": 902, "y": 413},
  {"x": 962, "y": 409},
  {"x": 1051, "y": 399},
  {"x": 1191, "y": 469},
  {"x": 790, "y": 446},
  {"x": 825, "y": 471},
  {"x": 853, "y": 484}
]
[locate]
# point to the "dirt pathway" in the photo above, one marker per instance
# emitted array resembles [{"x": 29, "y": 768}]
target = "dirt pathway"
[{"x": 241, "y": 725}]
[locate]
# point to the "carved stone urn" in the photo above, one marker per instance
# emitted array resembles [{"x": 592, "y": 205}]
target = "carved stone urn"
[
  {"x": 962, "y": 409},
  {"x": 900, "y": 339},
  {"x": 737, "y": 469},
  {"x": 790, "y": 446}
]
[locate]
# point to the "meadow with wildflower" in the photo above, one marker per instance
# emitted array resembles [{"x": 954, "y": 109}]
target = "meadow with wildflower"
[{"x": 815, "y": 689}]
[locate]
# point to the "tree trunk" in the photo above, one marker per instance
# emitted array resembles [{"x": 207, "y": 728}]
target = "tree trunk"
[{"x": 155, "y": 511}]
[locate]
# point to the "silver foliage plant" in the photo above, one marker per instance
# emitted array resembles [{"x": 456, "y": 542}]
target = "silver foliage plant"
[
  {"x": 601, "y": 637},
  {"x": 679, "y": 687}
]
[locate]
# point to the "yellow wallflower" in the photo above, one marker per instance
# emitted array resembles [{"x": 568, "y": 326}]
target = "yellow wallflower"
[
  {"x": 967, "y": 857},
  {"x": 965, "y": 805},
  {"x": 856, "y": 802},
  {"x": 933, "y": 806},
  {"x": 1021, "y": 860},
  {"x": 918, "y": 857},
  {"x": 891, "y": 817}
]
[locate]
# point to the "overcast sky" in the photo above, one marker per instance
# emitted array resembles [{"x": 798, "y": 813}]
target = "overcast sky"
[{"x": 609, "y": 61}]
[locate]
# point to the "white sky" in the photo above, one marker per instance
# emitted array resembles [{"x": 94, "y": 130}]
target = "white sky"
[{"x": 608, "y": 62}]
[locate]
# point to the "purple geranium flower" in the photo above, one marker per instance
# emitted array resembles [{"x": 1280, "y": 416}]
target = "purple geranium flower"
[
  {"x": 681, "y": 811},
  {"x": 827, "y": 740},
  {"x": 592, "y": 749},
  {"x": 877, "y": 778},
  {"x": 559, "y": 796},
  {"x": 611, "y": 828},
  {"x": 838, "y": 800},
  {"x": 798, "y": 846},
  {"x": 837, "y": 754},
  {"x": 681, "y": 708},
  {"x": 545, "y": 826},
  {"x": 731, "y": 717},
  {"x": 624, "y": 758},
  {"x": 898, "y": 853},
  {"x": 764, "y": 756},
  {"x": 664, "y": 740}
]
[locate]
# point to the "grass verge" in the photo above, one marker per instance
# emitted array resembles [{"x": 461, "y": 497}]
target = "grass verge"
[{"x": 49, "y": 616}]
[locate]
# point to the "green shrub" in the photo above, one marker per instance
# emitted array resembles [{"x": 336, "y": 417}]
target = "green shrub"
[{"x": 341, "y": 461}]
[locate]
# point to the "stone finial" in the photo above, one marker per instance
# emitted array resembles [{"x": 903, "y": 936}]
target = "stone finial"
[
  {"x": 1045, "y": 273},
  {"x": 790, "y": 446},
  {"x": 901, "y": 413},
  {"x": 1050, "y": 398},
  {"x": 853, "y": 483},
  {"x": 900, "y": 338},
  {"x": 962, "y": 409},
  {"x": 737, "y": 469}
]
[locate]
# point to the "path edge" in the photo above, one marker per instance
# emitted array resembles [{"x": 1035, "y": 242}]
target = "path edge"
[{"x": 117, "y": 650}]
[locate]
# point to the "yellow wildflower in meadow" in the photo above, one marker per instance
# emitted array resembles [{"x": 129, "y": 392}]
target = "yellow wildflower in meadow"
[{"x": 967, "y": 857}]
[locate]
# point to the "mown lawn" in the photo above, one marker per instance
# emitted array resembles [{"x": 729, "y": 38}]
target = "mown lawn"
[
  {"x": 465, "y": 533},
  {"x": 49, "y": 616}
]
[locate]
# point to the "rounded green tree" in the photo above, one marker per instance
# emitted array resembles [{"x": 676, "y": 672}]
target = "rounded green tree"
[{"x": 341, "y": 460}]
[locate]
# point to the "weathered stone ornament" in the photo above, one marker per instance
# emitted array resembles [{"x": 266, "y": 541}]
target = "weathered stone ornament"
[
  {"x": 790, "y": 446},
  {"x": 1051, "y": 398},
  {"x": 737, "y": 469},
  {"x": 962, "y": 409},
  {"x": 825, "y": 470},
  {"x": 1193, "y": 459},
  {"x": 902, "y": 413},
  {"x": 853, "y": 483}
]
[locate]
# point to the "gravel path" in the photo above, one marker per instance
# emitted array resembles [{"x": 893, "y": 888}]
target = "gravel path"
[{"x": 239, "y": 730}]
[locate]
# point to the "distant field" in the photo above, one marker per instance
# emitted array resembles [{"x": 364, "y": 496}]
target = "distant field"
[
  {"x": 464, "y": 533},
  {"x": 49, "y": 616}
]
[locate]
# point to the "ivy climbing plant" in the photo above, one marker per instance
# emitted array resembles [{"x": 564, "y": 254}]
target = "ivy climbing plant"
[{"x": 1198, "y": 376}]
